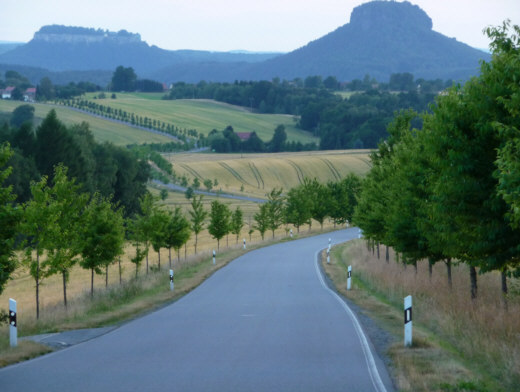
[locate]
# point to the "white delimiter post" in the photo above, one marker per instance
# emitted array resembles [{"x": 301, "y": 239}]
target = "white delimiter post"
[
  {"x": 171, "y": 280},
  {"x": 13, "y": 328},
  {"x": 330, "y": 240},
  {"x": 328, "y": 256},
  {"x": 244, "y": 243},
  {"x": 214, "y": 254},
  {"x": 408, "y": 321},
  {"x": 349, "y": 277}
]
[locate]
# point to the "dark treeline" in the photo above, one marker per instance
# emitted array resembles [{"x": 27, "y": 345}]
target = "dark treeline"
[
  {"x": 227, "y": 141},
  {"x": 357, "y": 121},
  {"x": 105, "y": 168}
]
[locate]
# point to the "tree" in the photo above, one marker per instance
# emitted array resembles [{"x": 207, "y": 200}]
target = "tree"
[
  {"x": 219, "y": 221},
  {"x": 177, "y": 232},
  {"x": 163, "y": 194},
  {"x": 198, "y": 215},
  {"x": 102, "y": 236},
  {"x": 279, "y": 138},
  {"x": 35, "y": 228},
  {"x": 123, "y": 79},
  {"x": 275, "y": 209},
  {"x": 208, "y": 184},
  {"x": 159, "y": 221},
  {"x": 9, "y": 216},
  {"x": 64, "y": 243},
  {"x": 298, "y": 207},
  {"x": 45, "y": 90},
  {"x": 22, "y": 114},
  {"x": 262, "y": 220},
  {"x": 237, "y": 222}
]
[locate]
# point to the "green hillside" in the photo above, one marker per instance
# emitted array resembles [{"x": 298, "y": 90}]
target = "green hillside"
[
  {"x": 205, "y": 115},
  {"x": 103, "y": 130}
]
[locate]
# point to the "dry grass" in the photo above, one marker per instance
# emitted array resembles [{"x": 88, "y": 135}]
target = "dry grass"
[{"x": 459, "y": 344}]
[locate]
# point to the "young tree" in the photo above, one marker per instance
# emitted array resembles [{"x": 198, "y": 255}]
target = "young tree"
[
  {"x": 177, "y": 232},
  {"x": 158, "y": 236},
  {"x": 35, "y": 229},
  {"x": 63, "y": 246},
  {"x": 219, "y": 221},
  {"x": 262, "y": 220},
  {"x": 237, "y": 222},
  {"x": 9, "y": 216},
  {"x": 198, "y": 215},
  {"x": 275, "y": 209},
  {"x": 102, "y": 236},
  {"x": 298, "y": 207},
  {"x": 208, "y": 184}
]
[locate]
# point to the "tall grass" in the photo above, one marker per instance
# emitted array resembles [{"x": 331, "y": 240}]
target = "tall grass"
[{"x": 484, "y": 332}]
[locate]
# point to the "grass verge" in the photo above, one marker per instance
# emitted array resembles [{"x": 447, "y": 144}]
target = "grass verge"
[{"x": 456, "y": 345}]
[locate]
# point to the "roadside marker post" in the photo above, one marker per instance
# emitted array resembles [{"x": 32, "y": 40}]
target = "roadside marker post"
[
  {"x": 171, "y": 280},
  {"x": 291, "y": 233},
  {"x": 349, "y": 277},
  {"x": 330, "y": 242},
  {"x": 328, "y": 256},
  {"x": 214, "y": 254},
  {"x": 13, "y": 326},
  {"x": 408, "y": 321},
  {"x": 244, "y": 243}
]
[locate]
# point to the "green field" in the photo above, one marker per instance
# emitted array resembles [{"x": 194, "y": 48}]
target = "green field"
[
  {"x": 205, "y": 115},
  {"x": 103, "y": 130},
  {"x": 257, "y": 174}
]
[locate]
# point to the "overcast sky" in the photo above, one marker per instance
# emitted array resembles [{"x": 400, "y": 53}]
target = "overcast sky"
[{"x": 222, "y": 25}]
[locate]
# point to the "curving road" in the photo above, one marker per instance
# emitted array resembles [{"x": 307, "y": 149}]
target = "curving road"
[{"x": 265, "y": 322}]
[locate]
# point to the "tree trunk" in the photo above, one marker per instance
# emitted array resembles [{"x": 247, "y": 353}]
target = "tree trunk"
[
  {"x": 185, "y": 251},
  {"x": 64, "y": 274},
  {"x": 387, "y": 255},
  {"x": 378, "y": 250},
  {"x": 170, "y": 256},
  {"x": 37, "y": 284},
  {"x": 448, "y": 269},
  {"x": 227, "y": 241},
  {"x": 430, "y": 268},
  {"x": 91, "y": 283},
  {"x": 196, "y": 240},
  {"x": 136, "y": 269},
  {"x": 159, "y": 259},
  {"x": 473, "y": 280},
  {"x": 147, "y": 263},
  {"x": 504, "y": 288},
  {"x": 218, "y": 244},
  {"x": 415, "y": 266},
  {"x": 179, "y": 256},
  {"x": 120, "y": 272},
  {"x": 106, "y": 276}
]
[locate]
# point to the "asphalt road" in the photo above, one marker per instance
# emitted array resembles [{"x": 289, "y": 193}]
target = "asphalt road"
[{"x": 265, "y": 322}]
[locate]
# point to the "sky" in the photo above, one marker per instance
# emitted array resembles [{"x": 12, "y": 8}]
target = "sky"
[{"x": 224, "y": 25}]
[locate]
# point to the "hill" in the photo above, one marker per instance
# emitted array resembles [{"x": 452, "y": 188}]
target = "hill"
[
  {"x": 382, "y": 38},
  {"x": 66, "y": 48}
]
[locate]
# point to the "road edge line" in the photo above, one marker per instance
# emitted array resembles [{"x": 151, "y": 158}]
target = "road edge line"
[{"x": 370, "y": 361}]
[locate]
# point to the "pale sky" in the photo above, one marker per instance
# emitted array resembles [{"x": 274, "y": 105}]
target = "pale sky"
[{"x": 222, "y": 25}]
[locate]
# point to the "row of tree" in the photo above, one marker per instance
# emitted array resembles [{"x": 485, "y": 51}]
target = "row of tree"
[{"x": 450, "y": 192}]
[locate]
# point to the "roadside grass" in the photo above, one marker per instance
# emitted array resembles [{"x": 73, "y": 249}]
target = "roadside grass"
[
  {"x": 102, "y": 129},
  {"x": 205, "y": 115},
  {"x": 257, "y": 174},
  {"x": 458, "y": 345}
]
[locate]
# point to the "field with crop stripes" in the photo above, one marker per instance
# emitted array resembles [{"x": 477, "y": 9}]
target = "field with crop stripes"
[{"x": 257, "y": 174}]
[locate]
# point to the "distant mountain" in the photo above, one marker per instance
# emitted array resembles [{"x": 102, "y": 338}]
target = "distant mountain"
[
  {"x": 383, "y": 37},
  {"x": 65, "y": 48}
]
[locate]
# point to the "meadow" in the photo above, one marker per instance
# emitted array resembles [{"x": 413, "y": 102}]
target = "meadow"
[
  {"x": 204, "y": 115},
  {"x": 257, "y": 174},
  {"x": 102, "y": 129}
]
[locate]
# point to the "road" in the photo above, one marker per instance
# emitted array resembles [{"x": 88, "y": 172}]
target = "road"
[{"x": 265, "y": 322}]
